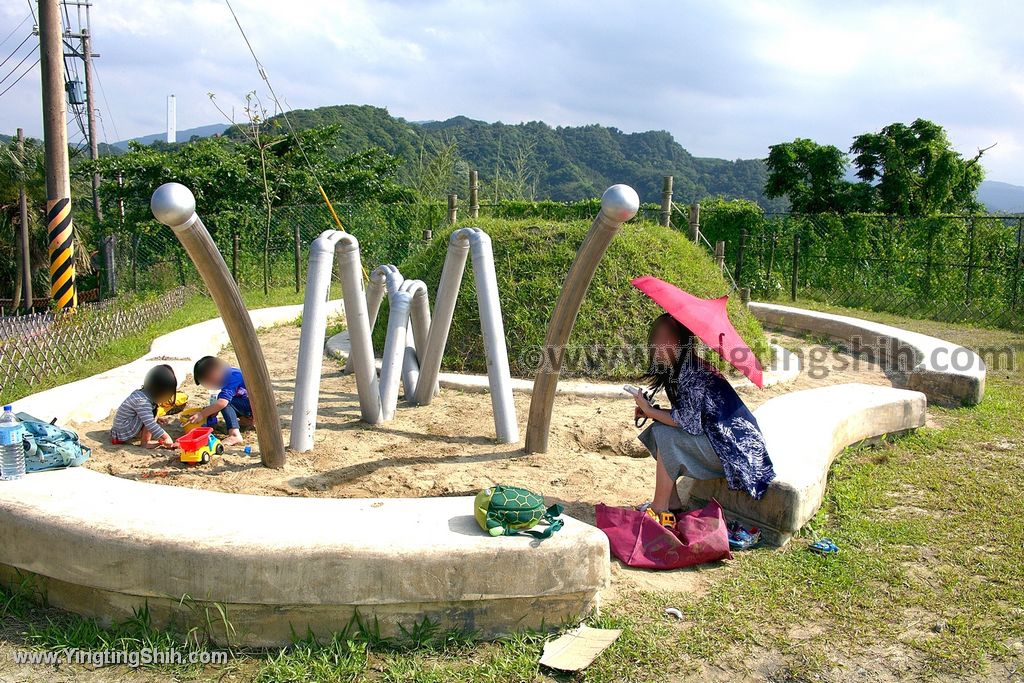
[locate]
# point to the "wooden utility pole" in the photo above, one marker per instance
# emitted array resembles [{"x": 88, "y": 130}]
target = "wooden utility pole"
[
  {"x": 94, "y": 149},
  {"x": 666, "y": 201},
  {"x": 474, "y": 195},
  {"x": 60, "y": 230},
  {"x": 26, "y": 251}
]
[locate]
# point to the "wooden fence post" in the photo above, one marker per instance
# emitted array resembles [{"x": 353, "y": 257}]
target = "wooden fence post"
[
  {"x": 720, "y": 256},
  {"x": 453, "y": 208},
  {"x": 474, "y": 195},
  {"x": 745, "y": 296},
  {"x": 298, "y": 260},
  {"x": 666, "y": 201},
  {"x": 740, "y": 249},
  {"x": 796, "y": 267},
  {"x": 695, "y": 222}
]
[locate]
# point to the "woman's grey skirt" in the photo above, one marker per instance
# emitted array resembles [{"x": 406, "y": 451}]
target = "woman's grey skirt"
[{"x": 682, "y": 453}]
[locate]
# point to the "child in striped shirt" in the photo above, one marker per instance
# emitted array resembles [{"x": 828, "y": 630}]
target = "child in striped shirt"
[{"x": 137, "y": 415}]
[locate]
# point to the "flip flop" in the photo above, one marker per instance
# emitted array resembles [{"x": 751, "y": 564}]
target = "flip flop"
[
  {"x": 824, "y": 546},
  {"x": 741, "y": 538}
]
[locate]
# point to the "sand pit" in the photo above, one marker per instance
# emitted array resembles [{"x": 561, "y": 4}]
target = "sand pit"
[{"x": 443, "y": 449}]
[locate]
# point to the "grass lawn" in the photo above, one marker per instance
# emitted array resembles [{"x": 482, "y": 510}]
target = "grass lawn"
[{"x": 927, "y": 585}]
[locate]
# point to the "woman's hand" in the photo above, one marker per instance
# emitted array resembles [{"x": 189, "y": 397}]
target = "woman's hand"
[{"x": 643, "y": 406}]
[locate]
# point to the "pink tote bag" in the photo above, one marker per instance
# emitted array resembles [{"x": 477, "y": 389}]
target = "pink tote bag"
[{"x": 635, "y": 538}]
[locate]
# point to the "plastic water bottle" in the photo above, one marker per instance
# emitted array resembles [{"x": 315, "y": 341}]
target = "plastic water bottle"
[
  {"x": 12, "y": 452},
  {"x": 211, "y": 421}
]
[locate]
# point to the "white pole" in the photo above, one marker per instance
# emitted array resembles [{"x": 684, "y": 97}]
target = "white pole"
[
  {"x": 444, "y": 309},
  {"x": 498, "y": 376},
  {"x": 394, "y": 352},
  {"x": 314, "y": 329}
]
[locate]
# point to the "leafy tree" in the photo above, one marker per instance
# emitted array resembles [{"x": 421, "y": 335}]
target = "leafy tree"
[
  {"x": 915, "y": 171},
  {"x": 810, "y": 175}
]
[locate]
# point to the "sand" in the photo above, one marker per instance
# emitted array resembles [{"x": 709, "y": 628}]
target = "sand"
[{"x": 444, "y": 449}]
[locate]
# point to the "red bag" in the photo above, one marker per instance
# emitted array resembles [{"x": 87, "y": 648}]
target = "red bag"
[{"x": 635, "y": 538}]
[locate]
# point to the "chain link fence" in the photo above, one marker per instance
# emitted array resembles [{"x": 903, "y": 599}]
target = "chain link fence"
[{"x": 961, "y": 268}]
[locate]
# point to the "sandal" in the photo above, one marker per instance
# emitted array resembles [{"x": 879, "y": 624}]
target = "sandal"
[
  {"x": 741, "y": 538},
  {"x": 824, "y": 546}
]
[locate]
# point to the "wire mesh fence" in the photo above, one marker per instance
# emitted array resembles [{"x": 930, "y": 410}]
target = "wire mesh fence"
[
  {"x": 38, "y": 346},
  {"x": 961, "y": 268}
]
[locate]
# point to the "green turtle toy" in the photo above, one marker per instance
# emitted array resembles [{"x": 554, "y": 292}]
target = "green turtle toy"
[{"x": 509, "y": 511}]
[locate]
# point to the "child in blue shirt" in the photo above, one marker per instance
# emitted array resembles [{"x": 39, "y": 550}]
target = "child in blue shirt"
[{"x": 232, "y": 401}]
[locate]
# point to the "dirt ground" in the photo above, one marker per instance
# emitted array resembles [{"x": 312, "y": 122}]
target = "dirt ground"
[{"x": 444, "y": 449}]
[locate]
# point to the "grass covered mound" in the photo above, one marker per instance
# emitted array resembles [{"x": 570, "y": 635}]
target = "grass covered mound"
[{"x": 531, "y": 261}]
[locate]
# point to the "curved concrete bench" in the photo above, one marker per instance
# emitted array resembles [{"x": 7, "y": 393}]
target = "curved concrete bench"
[
  {"x": 948, "y": 374},
  {"x": 804, "y": 431},
  {"x": 102, "y": 546}
]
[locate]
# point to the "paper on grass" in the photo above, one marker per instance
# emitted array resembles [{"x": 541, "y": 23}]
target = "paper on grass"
[{"x": 578, "y": 648}]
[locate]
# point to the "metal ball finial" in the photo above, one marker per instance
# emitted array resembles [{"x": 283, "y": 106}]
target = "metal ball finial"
[
  {"x": 173, "y": 204},
  {"x": 620, "y": 202}
]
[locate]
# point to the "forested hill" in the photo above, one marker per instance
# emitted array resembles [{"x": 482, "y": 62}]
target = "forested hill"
[{"x": 564, "y": 163}]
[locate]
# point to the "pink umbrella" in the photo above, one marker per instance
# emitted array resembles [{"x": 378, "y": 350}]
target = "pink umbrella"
[{"x": 706, "y": 318}]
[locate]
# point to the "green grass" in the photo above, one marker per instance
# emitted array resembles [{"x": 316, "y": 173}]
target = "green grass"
[
  {"x": 126, "y": 349},
  {"x": 927, "y": 585},
  {"x": 531, "y": 261}
]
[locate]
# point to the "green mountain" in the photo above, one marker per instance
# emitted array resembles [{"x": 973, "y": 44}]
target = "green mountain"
[{"x": 565, "y": 163}]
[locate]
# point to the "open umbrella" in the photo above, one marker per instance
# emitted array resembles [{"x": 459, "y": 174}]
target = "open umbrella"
[{"x": 706, "y": 318}]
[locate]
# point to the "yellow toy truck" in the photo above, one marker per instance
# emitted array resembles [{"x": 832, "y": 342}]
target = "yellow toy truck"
[{"x": 199, "y": 446}]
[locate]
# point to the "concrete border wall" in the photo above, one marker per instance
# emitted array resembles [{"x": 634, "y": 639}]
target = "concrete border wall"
[
  {"x": 946, "y": 373},
  {"x": 102, "y": 546}
]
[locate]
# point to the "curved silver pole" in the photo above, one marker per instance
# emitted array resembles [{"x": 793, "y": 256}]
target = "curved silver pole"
[{"x": 311, "y": 337}]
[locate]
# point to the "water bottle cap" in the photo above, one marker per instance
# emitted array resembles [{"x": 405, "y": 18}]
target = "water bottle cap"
[{"x": 7, "y": 409}]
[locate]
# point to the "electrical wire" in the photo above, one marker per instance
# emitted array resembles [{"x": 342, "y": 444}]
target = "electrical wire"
[
  {"x": 19, "y": 78},
  {"x": 8, "y": 58},
  {"x": 284, "y": 115},
  {"x": 13, "y": 31},
  {"x": 18, "y": 65},
  {"x": 103, "y": 93}
]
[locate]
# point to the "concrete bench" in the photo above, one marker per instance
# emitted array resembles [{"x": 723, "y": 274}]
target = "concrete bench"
[
  {"x": 946, "y": 373},
  {"x": 101, "y": 546},
  {"x": 804, "y": 431}
]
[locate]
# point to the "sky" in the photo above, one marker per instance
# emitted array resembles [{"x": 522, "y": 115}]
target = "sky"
[{"x": 727, "y": 79}]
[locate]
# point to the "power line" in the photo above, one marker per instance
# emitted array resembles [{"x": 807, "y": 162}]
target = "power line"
[
  {"x": 13, "y": 31},
  {"x": 19, "y": 78},
  {"x": 110, "y": 113},
  {"x": 15, "y": 51},
  {"x": 18, "y": 65}
]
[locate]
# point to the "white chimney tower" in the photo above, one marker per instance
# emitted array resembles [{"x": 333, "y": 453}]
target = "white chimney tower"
[{"x": 172, "y": 120}]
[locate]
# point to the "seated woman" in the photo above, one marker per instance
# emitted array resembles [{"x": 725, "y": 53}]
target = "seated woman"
[{"x": 708, "y": 432}]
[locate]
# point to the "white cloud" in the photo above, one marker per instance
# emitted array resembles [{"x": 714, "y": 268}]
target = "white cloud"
[{"x": 727, "y": 79}]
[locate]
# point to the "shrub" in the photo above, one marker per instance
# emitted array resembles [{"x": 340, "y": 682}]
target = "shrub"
[{"x": 531, "y": 261}]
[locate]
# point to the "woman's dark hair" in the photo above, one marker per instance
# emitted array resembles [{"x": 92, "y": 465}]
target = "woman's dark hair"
[
  {"x": 664, "y": 376},
  {"x": 160, "y": 383}
]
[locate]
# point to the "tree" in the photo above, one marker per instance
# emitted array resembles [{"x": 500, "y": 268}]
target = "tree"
[
  {"x": 810, "y": 175},
  {"x": 914, "y": 171}
]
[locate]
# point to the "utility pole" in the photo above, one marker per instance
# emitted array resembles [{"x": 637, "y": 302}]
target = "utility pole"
[
  {"x": 94, "y": 149},
  {"x": 26, "y": 251},
  {"x": 60, "y": 230}
]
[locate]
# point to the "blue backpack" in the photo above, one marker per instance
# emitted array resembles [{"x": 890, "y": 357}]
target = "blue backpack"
[{"x": 49, "y": 447}]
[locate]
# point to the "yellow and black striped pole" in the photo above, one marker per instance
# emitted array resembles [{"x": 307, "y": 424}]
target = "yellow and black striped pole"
[{"x": 62, "y": 253}]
